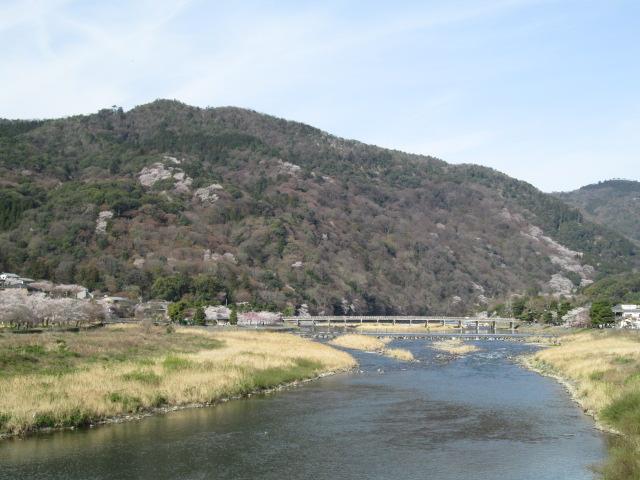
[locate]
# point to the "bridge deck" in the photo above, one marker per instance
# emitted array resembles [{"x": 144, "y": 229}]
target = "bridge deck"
[{"x": 357, "y": 319}]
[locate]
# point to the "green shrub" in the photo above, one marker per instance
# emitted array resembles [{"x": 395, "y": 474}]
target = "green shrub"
[
  {"x": 272, "y": 377},
  {"x": 129, "y": 402},
  {"x": 596, "y": 376},
  {"x": 173, "y": 362},
  {"x": 623, "y": 462},
  {"x": 176, "y": 311},
  {"x": 44, "y": 420},
  {"x": 4, "y": 419},
  {"x": 621, "y": 360},
  {"x": 199, "y": 317},
  {"x": 233, "y": 317},
  {"x": 75, "y": 418},
  {"x": 159, "y": 400},
  {"x": 624, "y": 413}
]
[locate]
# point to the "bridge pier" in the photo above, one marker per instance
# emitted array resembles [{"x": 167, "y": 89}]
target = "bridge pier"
[
  {"x": 477, "y": 327},
  {"x": 494, "y": 327},
  {"x": 511, "y": 327}
]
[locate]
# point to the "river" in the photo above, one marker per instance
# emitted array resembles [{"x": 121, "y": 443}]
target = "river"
[{"x": 477, "y": 417}]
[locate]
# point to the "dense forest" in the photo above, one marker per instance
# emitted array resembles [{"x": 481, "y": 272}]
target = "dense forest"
[{"x": 277, "y": 213}]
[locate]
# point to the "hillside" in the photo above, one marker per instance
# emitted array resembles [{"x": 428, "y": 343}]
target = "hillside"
[
  {"x": 278, "y": 213},
  {"x": 613, "y": 203}
]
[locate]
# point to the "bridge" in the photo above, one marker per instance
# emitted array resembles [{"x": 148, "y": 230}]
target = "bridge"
[{"x": 492, "y": 323}]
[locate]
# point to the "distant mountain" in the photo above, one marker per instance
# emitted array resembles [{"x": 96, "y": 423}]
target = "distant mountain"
[
  {"x": 171, "y": 200},
  {"x": 613, "y": 203}
]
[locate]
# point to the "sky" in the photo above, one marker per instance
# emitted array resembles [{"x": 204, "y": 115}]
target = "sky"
[{"x": 545, "y": 91}]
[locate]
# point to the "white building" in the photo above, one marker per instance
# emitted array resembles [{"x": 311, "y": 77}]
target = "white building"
[
  {"x": 627, "y": 316},
  {"x": 11, "y": 280}
]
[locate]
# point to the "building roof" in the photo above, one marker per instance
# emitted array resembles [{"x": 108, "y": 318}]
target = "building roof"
[{"x": 626, "y": 308}]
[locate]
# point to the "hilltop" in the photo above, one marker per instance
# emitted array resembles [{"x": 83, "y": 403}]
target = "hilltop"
[
  {"x": 278, "y": 213},
  {"x": 612, "y": 203}
]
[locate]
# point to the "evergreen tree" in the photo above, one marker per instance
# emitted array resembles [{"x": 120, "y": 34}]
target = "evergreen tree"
[
  {"x": 199, "y": 318},
  {"x": 233, "y": 318},
  {"x": 601, "y": 313}
]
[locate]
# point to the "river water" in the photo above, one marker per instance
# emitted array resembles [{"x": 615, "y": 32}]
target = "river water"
[{"x": 476, "y": 417}]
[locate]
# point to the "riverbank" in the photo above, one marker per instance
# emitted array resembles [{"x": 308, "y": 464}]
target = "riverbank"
[
  {"x": 64, "y": 380},
  {"x": 372, "y": 344},
  {"x": 601, "y": 370}
]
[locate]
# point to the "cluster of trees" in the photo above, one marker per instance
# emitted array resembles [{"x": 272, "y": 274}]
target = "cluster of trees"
[
  {"x": 190, "y": 295},
  {"x": 541, "y": 309},
  {"x": 601, "y": 313},
  {"x": 18, "y": 310},
  {"x": 13, "y": 203},
  {"x": 193, "y": 313},
  {"x": 198, "y": 288},
  {"x": 622, "y": 288},
  {"x": 609, "y": 291}
]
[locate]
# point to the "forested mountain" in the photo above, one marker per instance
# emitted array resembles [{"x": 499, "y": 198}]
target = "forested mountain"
[
  {"x": 279, "y": 213},
  {"x": 613, "y": 203}
]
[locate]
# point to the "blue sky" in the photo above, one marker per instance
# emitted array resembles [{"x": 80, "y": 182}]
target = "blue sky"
[{"x": 546, "y": 91}]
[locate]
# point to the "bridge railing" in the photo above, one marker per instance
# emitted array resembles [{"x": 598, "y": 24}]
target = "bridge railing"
[{"x": 397, "y": 319}]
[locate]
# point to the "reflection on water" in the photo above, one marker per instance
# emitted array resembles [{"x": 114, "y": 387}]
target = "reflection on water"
[{"x": 478, "y": 417}]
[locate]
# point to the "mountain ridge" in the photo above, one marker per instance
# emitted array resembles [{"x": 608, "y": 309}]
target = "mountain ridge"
[
  {"x": 280, "y": 213},
  {"x": 613, "y": 203}
]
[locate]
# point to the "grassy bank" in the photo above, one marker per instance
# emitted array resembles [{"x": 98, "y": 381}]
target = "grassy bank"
[
  {"x": 372, "y": 344},
  {"x": 66, "y": 379},
  {"x": 602, "y": 368}
]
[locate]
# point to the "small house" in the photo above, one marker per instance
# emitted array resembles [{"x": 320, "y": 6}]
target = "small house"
[
  {"x": 71, "y": 291},
  {"x": 8, "y": 276},
  {"x": 153, "y": 309},
  {"x": 117, "y": 307},
  {"x": 627, "y": 316},
  {"x": 217, "y": 313},
  {"x": 11, "y": 280}
]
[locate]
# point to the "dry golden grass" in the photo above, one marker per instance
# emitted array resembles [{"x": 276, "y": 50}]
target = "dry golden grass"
[
  {"x": 454, "y": 346},
  {"x": 371, "y": 344},
  {"x": 597, "y": 363},
  {"x": 225, "y": 365},
  {"x": 602, "y": 371},
  {"x": 359, "y": 342},
  {"x": 399, "y": 354}
]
